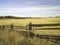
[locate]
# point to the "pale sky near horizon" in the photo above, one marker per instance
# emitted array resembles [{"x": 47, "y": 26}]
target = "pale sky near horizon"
[{"x": 30, "y": 8}]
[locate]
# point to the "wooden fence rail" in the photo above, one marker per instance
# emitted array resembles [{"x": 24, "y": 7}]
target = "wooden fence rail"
[
  {"x": 43, "y": 25},
  {"x": 31, "y": 26},
  {"x": 11, "y": 27}
]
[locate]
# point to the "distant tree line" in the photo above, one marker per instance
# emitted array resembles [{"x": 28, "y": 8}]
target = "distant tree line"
[
  {"x": 11, "y": 17},
  {"x": 14, "y": 17}
]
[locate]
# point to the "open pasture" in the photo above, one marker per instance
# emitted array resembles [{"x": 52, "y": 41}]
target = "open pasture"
[{"x": 24, "y": 22}]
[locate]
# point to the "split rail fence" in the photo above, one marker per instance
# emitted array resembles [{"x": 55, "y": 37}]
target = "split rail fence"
[{"x": 29, "y": 27}]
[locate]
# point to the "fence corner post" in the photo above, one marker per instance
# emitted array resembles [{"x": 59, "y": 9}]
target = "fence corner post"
[
  {"x": 30, "y": 26},
  {"x": 12, "y": 26},
  {"x": 0, "y": 27},
  {"x": 3, "y": 27}
]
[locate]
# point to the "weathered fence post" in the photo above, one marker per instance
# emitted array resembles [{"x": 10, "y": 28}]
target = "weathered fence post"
[
  {"x": 3, "y": 27},
  {"x": 30, "y": 26},
  {"x": 12, "y": 26},
  {"x": 0, "y": 27}
]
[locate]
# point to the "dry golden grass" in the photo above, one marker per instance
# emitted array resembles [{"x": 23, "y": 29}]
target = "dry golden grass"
[
  {"x": 23, "y": 22},
  {"x": 26, "y": 21},
  {"x": 8, "y": 37}
]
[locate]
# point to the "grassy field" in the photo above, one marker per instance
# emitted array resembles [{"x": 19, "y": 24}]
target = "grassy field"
[
  {"x": 10, "y": 37},
  {"x": 26, "y": 21},
  {"x": 23, "y": 22}
]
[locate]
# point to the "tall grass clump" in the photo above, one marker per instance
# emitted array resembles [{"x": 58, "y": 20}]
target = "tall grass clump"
[{"x": 10, "y": 37}]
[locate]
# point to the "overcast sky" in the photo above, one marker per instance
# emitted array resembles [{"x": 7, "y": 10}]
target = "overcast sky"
[{"x": 30, "y": 8}]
